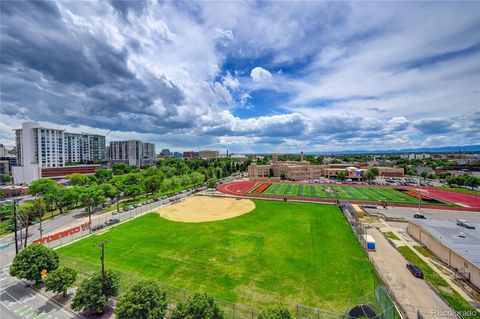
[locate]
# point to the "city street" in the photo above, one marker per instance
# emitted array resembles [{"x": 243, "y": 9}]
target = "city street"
[
  {"x": 18, "y": 301},
  {"x": 7, "y": 244}
]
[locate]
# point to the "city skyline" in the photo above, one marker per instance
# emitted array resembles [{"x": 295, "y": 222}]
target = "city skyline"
[{"x": 245, "y": 76}]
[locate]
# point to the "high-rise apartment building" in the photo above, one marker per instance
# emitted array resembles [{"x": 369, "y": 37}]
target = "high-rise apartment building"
[
  {"x": 84, "y": 148},
  {"x": 131, "y": 152},
  {"x": 208, "y": 154},
  {"x": 40, "y": 147}
]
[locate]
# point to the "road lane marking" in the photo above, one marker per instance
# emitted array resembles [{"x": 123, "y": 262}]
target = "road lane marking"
[
  {"x": 3, "y": 304},
  {"x": 18, "y": 309}
]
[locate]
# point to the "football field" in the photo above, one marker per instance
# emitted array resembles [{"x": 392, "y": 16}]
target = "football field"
[
  {"x": 360, "y": 193},
  {"x": 278, "y": 253}
]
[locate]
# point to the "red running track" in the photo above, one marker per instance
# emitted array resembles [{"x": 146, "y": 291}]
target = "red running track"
[{"x": 242, "y": 187}]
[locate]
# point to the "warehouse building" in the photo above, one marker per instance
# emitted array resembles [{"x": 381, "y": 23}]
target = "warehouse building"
[{"x": 456, "y": 246}]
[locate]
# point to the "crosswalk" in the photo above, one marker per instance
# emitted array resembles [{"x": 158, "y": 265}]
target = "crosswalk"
[
  {"x": 29, "y": 312},
  {"x": 24, "y": 305}
]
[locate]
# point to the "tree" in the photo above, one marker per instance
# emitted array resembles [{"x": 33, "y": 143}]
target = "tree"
[
  {"x": 60, "y": 279},
  {"x": 143, "y": 300},
  {"x": 41, "y": 186},
  {"x": 133, "y": 190},
  {"x": 374, "y": 171},
  {"x": 93, "y": 293},
  {"x": 60, "y": 197},
  {"x": 109, "y": 191},
  {"x": 30, "y": 261},
  {"x": 121, "y": 168},
  {"x": 103, "y": 175},
  {"x": 90, "y": 197},
  {"x": 198, "y": 306},
  {"x": 212, "y": 183},
  {"x": 342, "y": 176},
  {"x": 472, "y": 181},
  {"x": 275, "y": 313},
  {"x": 152, "y": 183},
  {"x": 77, "y": 179},
  {"x": 370, "y": 174},
  {"x": 6, "y": 209},
  {"x": 28, "y": 213}
]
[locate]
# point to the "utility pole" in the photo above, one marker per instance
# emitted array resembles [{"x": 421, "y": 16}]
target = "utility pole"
[
  {"x": 118, "y": 202},
  {"x": 102, "y": 259},
  {"x": 15, "y": 224},
  {"x": 40, "y": 217}
]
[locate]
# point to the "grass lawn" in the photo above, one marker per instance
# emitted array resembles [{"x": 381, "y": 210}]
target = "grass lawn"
[
  {"x": 278, "y": 253},
  {"x": 442, "y": 287},
  {"x": 391, "y": 235},
  {"x": 363, "y": 193}
]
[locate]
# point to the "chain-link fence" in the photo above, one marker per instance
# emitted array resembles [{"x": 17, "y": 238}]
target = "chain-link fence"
[
  {"x": 174, "y": 294},
  {"x": 374, "y": 305},
  {"x": 380, "y": 300},
  {"x": 101, "y": 222}
]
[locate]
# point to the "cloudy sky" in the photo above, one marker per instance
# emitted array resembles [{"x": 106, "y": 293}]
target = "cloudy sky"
[{"x": 245, "y": 76}]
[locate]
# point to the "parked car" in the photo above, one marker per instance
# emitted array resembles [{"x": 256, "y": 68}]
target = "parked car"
[
  {"x": 416, "y": 271},
  {"x": 419, "y": 216},
  {"x": 98, "y": 227},
  {"x": 464, "y": 223},
  {"x": 112, "y": 221}
]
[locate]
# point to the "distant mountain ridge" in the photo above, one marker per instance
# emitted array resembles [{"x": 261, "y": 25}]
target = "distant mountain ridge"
[{"x": 444, "y": 149}]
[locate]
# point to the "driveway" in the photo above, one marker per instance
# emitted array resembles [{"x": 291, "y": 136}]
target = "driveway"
[{"x": 411, "y": 293}]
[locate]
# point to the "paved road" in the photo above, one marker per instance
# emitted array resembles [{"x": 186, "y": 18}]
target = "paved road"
[
  {"x": 437, "y": 214},
  {"x": 7, "y": 244},
  {"x": 411, "y": 293},
  {"x": 19, "y": 302}
]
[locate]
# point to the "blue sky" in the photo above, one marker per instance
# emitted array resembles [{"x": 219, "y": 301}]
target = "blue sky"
[{"x": 245, "y": 76}]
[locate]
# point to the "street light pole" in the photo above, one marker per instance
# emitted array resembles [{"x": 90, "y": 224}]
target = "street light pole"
[
  {"x": 40, "y": 216},
  {"x": 15, "y": 225},
  {"x": 419, "y": 194}
]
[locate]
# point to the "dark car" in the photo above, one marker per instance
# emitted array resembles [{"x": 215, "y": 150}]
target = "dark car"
[
  {"x": 419, "y": 216},
  {"x": 112, "y": 221},
  {"x": 98, "y": 227},
  {"x": 417, "y": 272}
]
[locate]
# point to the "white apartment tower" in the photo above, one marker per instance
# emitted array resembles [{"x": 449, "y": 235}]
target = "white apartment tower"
[{"x": 39, "y": 147}]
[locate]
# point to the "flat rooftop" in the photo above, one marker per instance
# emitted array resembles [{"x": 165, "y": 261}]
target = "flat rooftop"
[{"x": 447, "y": 233}]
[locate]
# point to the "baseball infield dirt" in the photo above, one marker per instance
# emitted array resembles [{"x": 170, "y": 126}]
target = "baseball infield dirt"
[{"x": 205, "y": 208}]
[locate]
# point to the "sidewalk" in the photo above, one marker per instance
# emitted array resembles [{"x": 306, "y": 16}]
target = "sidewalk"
[{"x": 410, "y": 243}]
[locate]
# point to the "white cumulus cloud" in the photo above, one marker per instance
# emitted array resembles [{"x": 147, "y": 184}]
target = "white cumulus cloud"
[{"x": 259, "y": 74}]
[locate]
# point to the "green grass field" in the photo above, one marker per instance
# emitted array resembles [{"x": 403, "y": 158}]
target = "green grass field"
[
  {"x": 373, "y": 194},
  {"x": 279, "y": 253}
]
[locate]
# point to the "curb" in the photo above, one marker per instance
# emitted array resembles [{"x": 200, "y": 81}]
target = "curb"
[{"x": 52, "y": 300}]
